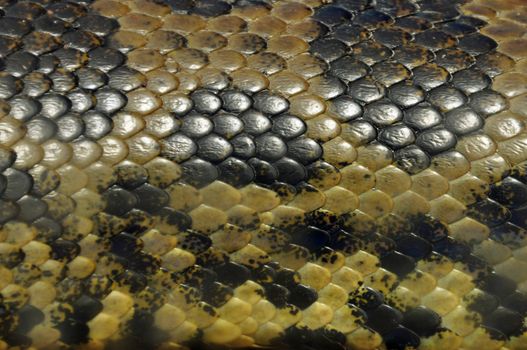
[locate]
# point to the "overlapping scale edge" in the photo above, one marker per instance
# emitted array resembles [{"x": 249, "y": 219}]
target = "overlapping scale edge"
[{"x": 367, "y": 283}]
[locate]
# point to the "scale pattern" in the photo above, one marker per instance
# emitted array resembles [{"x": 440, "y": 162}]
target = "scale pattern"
[{"x": 345, "y": 174}]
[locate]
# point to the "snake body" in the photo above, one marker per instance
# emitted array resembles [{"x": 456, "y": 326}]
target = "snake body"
[{"x": 189, "y": 174}]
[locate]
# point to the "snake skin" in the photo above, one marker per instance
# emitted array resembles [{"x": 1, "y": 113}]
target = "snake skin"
[{"x": 220, "y": 174}]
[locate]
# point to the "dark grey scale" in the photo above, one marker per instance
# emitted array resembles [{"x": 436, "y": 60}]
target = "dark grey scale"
[
  {"x": 48, "y": 63},
  {"x": 348, "y": 69},
  {"x": 118, "y": 201},
  {"x": 470, "y": 80},
  {"x": 70, "y": 59},
  {"x": 345, "y": 108},
  {"x": 309, "y": 237},
  {"x": 304, "y": 150},
  {"x": 498, "y": 285},
  {"x": 140, "y": 333},
  {"x": 328, "y": 49},
  {"x": 36, "y": 84},
  {"x": 430, "y": 229},
  {"x": 198, "y": 172},
  {"x": 509, "y": 192},
  {"x": 31, "y": 208},
  {"x": 211, "y": 8},
  {"x": 21, "y": 63},
  {"x": 388, "y": 73},
  {"x": 397, "y": 8},
  {"x": 105, "y": 59},
  {"x": 243, "y": 146},
  {"x": 516, "y": 301},
  {"x": 412, "y": 159},
  {"x": 85, "y": 308},
  {"x": 382, "y": 113},
  {"x": 196, "y": 276},
  {"x": 138, "y": 221},
  {"x": 505, "y": 320},
  {"x": 477, "y": 44},
  {"x": 484, "y": 303},
  {"x": 91, "y": 78},
  {"x": 290, "y": 171},
  {"x": 73, "y": 332},
  {"x": 180, "y": 5},
  {"x": 125, "y": 244},
  {"x": 232, "y": 274},
  {"x": 81, "y": 101},
  {"x": 18, "y": 184},
  {"x": 392, "y": 37},
  {"x": 8, "y": 46},
  {"x": 14, "y": 27},
  {"x": 371, "y": 52},
  {"x": 401, "y": 338},
  {"x": 366, "y": 90},
  {"x": 48, "y": 230},
  {"x": 471, "y": 21},
  {"x": 410, "y": 55},
  {"x": 235, "y": 172},
  {"x": 96, "y": 24},
  {"x": 130, "y": 175},
  {"x": 462, "y": 121},
  {"x": 487, "y": 63},
  {"x": 288, "y": 126},
  {"x": 3, "y": 184},
  {"x": 9, "y": 86},
  {"x": 109, "y": 101},
  {"x": 150, "y": 198},
  {"x": 50, "y": 24},
  {"x": 519, "y": 216},
  {"x": 255, "y": 123},
  {"x": 439, "y": 11},
  {"x": 429, "y": 76},
  {"x": 264, "y": 172},
  {"x": 16, "y": 339},
  {"x": 40, "y": 43},
  {"x": 63, "y": 81},
  {"x": 350, "y": 34},
  {"x": 488, "y": 212},
  {"x": 63, "y": 250},
  {"x": 452, "y": 249},
  {"x": 206, "y": 102},
  {"x": 265, "y": 275},
  {"x": 227, "y": 125},
  {"x": 178, "y": 147},
  {"x": 25, "y": 10},
  {"x": 289, "y": 279},
  {"x": 454, "y": 60},
  {"x": 414, "y": 246},
  {"x": 23, "y": 108},
  {"x": 97, "y": 286},
  {"x": 398, "y": 263},
  {"x": 270, "y": 147},
  {"x": 235, "y": 101},
  {"x": 372, "y": 19},
  {"x": 7, "y": 158},
  {"x": 194, "y": 242},
  {"x": 383, "y": 318},
  {"x": 405, "y": 94},
  {"x": 488, "y": 102},
  {"x": 396, "y": 136},
  {"x": 68, "y": 11},
  {"x": 69, "y": 127},
  {"x": 435, "y": 141},
  {"x": 276, "y": 294},
  {"x": 434, "y": 39},
  {"x": 214, "y": 148},
  {"x": 196, "y": 126},
  {"x": 96, "y": 124},
  {"x": 457, "y": 28},
  {"x": 125, "y": 79},
  {"x": 28, "y": 317},
  {"x": 271, "y": 104},
  {"x": 330, "y": 87},
  {"x": 353, "y": 5},
  {"x": 12, "y": 259},
  {"x": 332, "y": 15},
  {"x": 366, "y": 298}
]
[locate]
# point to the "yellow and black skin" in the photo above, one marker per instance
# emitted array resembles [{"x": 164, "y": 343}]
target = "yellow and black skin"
[{"x": 190, "y": 174}]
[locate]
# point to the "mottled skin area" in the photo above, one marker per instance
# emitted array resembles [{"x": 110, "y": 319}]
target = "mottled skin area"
[{"x": 317, "y": 174}]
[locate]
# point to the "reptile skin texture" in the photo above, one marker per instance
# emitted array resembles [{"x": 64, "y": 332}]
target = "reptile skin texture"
[{"x": 273, "y": 174}]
